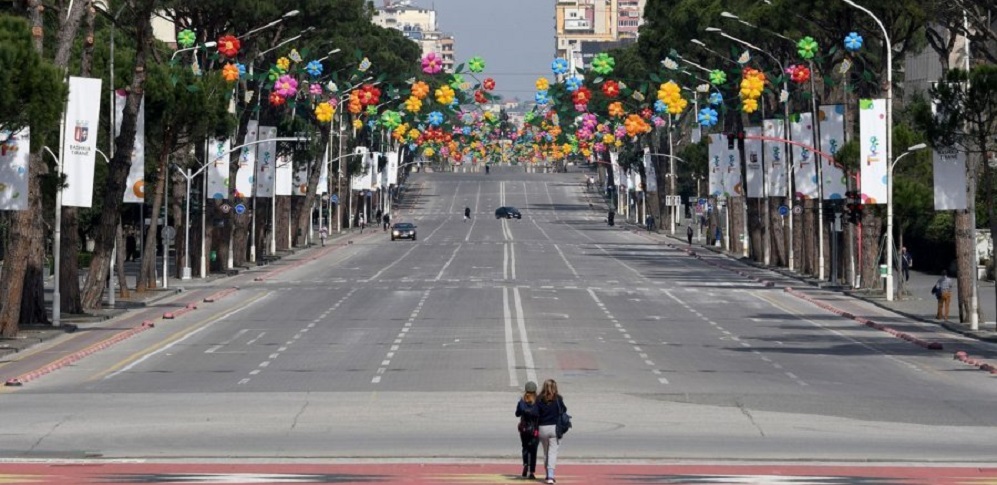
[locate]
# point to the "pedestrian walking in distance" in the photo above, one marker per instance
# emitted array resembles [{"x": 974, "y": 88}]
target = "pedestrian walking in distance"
[
  {"x": 550, "y": 406},
  {"x": 467, "y": 213},
  {"x": 387, "y": 221},
  {"x": 529, "y": 429},
  {"x": 688, "y": 234},
  {"x": 323, "y": 233},
  {"x": 943, "y": 292},
  {"x": 906, "y": 261},
  {"x": 362, "y": 223}
]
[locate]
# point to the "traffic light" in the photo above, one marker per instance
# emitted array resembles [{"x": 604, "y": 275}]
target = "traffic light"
[
  {"x": 730, "y": 141},
  {"x": 740, "y": 140},
  {"x": 854, "y": 211}
]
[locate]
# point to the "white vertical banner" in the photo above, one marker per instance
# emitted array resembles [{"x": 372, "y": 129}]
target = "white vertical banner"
[
  {"x": 872, "y": 155},
  {"x": 79, "y": 139},
  {"x": 14, "y": 151},
  {"x": 393, "y": 168},
  {"x": 284, "y": 185},
  {"x": 266, "y": 161},
  {"x": 375, "y": 175},
  {"x": 218, "y": 168},
  {"x": 753, "y": 163},
  {"x": 950, "y": 179},
  {"x": 832, "y": 137},
  {"x": 301, "y": 181},
  {"x": 697, "y": 134},
  {"x": 245, "y": 176},
  {"x": 732, "y": 173},
  {"x": 361, "y": 181},
  {"x": 775, "y": 159},
  {"x": 135, "y": 184},
  {"x": 804, "y": 159},
  {"x": 638, "y": 182},
  {"x": 614, "y": 163},
  {"x": 652, "y": 174},
  {"x": 717, "y": 164},
  {"x": 323, "y": 177}
]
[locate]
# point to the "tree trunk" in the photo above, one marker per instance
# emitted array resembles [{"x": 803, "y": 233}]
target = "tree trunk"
[
  {"x": 965, "y": 242},
  {"x": 311, "y": 195},
  {"x": 120, "y": 264},
  {"x": 117, "y": 175},
  {"x": 871, "y": 234},
  {"x": 178, "y": 186},
  {"x": 147, "y": 272}
]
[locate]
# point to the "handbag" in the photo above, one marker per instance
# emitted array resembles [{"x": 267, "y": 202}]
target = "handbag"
[{"x": 563, "y": 419}]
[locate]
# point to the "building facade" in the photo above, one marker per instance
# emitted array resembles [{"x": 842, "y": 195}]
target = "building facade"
[
  {"x": 587, "y": 25},
  {"x": 419, "y": 25}
]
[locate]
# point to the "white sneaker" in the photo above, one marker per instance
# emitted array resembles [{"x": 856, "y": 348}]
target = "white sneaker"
[{"x": 549, "y": 480}]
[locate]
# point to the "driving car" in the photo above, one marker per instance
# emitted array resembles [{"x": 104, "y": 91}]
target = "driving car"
[
  {"x": 508, "y": 212},
  {"x": 403, "y": 230}
]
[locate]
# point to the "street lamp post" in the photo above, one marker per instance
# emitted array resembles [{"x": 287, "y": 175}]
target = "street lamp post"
[
  {"x": 889, "y": 146},
  {"x": 889, "y": 217}
]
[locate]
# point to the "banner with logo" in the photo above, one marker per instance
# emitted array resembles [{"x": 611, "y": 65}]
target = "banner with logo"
[
  {"x": 755, "y": 178},
  {"x": 300, "y": 183},
  {"x": 614, "y": 161},
  {"x": 284, "y": 184},
  {"x": 872, "y": 146},
  {"x": 832, "y": 137},
  {"x": 804, "y": 159},
  {"x": 717, "y": 165},
  {"x": 950, "y": 179},
  {"x": 218, "y": 165},
  {"x": 79, "y": 139},
  {"x": 323, "y": 177},
  {"x": 361, "y": 181},
  {"x": 393, "y": 158},
  {"x": 14, "y": 151},
  {"x": 375, "y": 173},
  {"x": 652, "y": 174},
  {"x": 246, "y": 173},
  {"x": 135, "y": 184},
  {"x": 266, "y": 162},
  {"x": 776, "y": 176},
  {"x": 732, "y": 172}
]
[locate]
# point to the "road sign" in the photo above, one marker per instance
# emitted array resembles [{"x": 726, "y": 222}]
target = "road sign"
[
  {"x": 335, "y": 199},
  {"x": 702, "y": 201},
  {"x": 240, "y": 208},
  {"x": 169, "y": 232},
  {"x": 225, "y": 208},
  {"x": 797, "y": 209},
  {"x": 783, "y": 211}
]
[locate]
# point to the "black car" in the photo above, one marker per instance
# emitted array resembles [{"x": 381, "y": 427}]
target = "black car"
[
  {"x": 403, "y": 230},
  {"x": 507, "y": 213}
]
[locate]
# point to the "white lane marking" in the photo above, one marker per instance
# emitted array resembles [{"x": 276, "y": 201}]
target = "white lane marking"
[
  {"x": 185, "y": 337},
  {"x": 215, "y": 348},
  {"x": 447, "y": 265},
  {"x": 386, "y": 362},
  {"x": 253, "y": 341},
  {"x": 474, "y": 220},
  {"x": 505, "y": 261},
  {"x": 512, "y": 261},
  {"x": 637, "y": 349},
  {"x": 510, "y": 349},
  {"x": 455, "y": 192},
  {"x": 531, "y": 371},
  {"x": 403, "y": 256},
  {"x": 572, "y": 268}
]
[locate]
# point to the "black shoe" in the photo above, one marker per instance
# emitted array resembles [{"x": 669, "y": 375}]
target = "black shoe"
[
  {"x": 533, "y": 477},
  {"x": 524, "y": 471}
]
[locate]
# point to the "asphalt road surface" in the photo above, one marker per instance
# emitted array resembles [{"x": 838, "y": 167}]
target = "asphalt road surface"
[{"x": 418, "y": 350}]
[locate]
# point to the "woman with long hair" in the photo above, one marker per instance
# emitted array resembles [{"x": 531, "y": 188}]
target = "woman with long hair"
[
  {"x": 550, "y": 406},
  {"x": 526, "y": 410}
]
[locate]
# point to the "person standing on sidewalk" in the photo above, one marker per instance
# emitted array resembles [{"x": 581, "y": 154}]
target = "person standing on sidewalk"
[
  {"x": 387, "y": 221},
  {"x": 529, "y": 431},
  {"x": 905, "y": 263},
  {"x": 323, "y": 233},
  {"x": 361, "y": 222},
  {"x": 550, "y": 407},
  {"x": 688, "y": 234},
  {"x": 943, "y": 291}
]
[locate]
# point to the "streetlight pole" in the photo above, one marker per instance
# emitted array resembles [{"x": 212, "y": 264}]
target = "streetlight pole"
[
  {"x": 889, "y": 147},
  {"x": 889, "y": 218}
]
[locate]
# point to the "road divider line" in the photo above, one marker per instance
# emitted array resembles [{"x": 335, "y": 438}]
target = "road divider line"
[
  {"x": 386, "y": 362},
  {"x": 510, "y": 348},
  {"x": 531, "y": 370},
  {"x": 447, "y": 265}
]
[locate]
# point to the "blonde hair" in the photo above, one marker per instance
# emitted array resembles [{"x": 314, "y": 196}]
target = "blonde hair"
[{"x": 549, "y": 391}]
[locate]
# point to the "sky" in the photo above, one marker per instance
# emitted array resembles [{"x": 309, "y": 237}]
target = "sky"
[{"x": 514, "y": 37}]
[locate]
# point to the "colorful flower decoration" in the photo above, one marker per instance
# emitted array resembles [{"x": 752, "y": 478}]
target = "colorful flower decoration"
[
  {"x": 365, "y": 64},
  {"x": 476, "y": 64},
  {"x": 488, "y": 85},
  {"x": 456, "y": 82},
  {"x": 242, "y": 69},
  {"x": 581, "y": 96},
  {"x": 432, "y": 63},
  {"x": 718, "y": 77},
  {"x": 274, "y": 73},
  {"x": 559, "y": 66},
  {"x": 294, "y": 55},
  {"x": 368, "y": 95},
  {"x": 283, "y": 64},
  {"x": 228, "y": 46},
  {"x": 798, "y": 73},
  {"x": 750, "y": 105},
  {"x": 716, "y": 98},
  {"x": 445, "y": 95},
  {"x": 611, "y": 89},
  {"x": 428, "y": 152},
  {"x": 314, "y": 68},
  {"x": 807, "y": 47},
  {"x": 615, "y": 109},
  {"x": 660, "y": 106},
  {"x": 420, "y": 90},
  {"x": 230, "y": 73},
  {"x": 542, "y": 84},
  {"x": 324, "y": 112},
  {"x": 186, "y": 38},
  {"x": 286, "y": 86},
  {"x": 603, "y": 64},
  {"x": 573, "y": 83},
  {"x": 708, "y": 117},
  {"x": 276, "y": 99},
  {"x": 413, "y": 104},
  {"x": 435, "y": 118},
  {"x": 314, "y": 89},
  {"x": 853, "y": 42},
  {"x": 671, "y": 94},
  {"x": 372, "y": 111},
  {"x": 480, "y": 97},
  {"x": 357, "y": 124},
  {"x": 391, "y": 119},
  {"x": 541, "y": 98},
  {"x": 635, "y": 125}
]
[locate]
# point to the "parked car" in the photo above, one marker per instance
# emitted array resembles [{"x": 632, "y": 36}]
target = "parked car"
[
  {"x": 508, "y": 213},
  {"x": 403, "y": 230}
]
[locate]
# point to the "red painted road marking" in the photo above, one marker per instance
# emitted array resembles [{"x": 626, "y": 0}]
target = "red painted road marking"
[{"x": 86, "y": 472}]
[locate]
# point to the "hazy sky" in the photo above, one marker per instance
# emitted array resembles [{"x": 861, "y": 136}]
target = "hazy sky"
[{"x": 515, "y": 37}]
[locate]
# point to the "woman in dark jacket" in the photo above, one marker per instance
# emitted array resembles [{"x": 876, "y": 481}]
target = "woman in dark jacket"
[
  {"x": 526, "y": 410},
  {"x": 550, "y": 406}
]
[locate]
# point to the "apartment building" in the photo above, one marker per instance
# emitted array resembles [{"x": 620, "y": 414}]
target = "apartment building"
[
  {"x": 418, "y": 24},
  {"x": 584, "y": 26}
]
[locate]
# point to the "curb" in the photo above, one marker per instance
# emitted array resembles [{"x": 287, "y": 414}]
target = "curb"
[{"x": 979, "y": 364}]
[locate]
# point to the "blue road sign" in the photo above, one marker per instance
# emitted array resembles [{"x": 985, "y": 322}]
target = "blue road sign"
[
  {"x": 335, "y": 199},
  {"x": 240, "y": 208},
  {"x": 783, "y": 210},
  {"x": 702, "y": 201}
]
